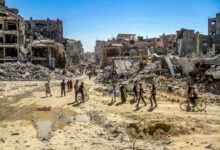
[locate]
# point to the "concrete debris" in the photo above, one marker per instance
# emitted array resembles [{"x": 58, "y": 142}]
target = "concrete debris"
[
  {"x": 27, "y": 71},
  {"x": 171, "y": 73},
  {"x": 214, "y": 72},
  {"x": 122, "y": 66},
  {"x": 170, "y": 65}
]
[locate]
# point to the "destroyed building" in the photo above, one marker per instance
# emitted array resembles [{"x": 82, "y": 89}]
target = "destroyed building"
[
  {"x": 47, "y": 53},
  {"x": 37, "y": 41},
  {"x": 202, "y": 44},
  {"x": 98, "y": 48},
  {"x": 192, "y": 44},
  {"x": 112, "y": 50},
  {"x": 163, "y": 45},
  {"x": 127, "y": 45},
  {"x": 185, "y": 42},
  {"x": 214, "y": 33},
  {"x": 12, "y": 35},
  {"x": 74, "y": 51},
  {"x": 167, "y": 43},
  {"x": 45, "y": 42},
  {"x": 50, "y": 29},
  {"x": 20, "y": 42}
]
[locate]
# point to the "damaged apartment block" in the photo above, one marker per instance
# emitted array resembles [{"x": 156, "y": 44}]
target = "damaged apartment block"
[
  {"x": 38, "y": 41},
  {"x": 50, "y": 29},
  {"x": 11, "y": 34},
  {"x": 45, "y": 42}
]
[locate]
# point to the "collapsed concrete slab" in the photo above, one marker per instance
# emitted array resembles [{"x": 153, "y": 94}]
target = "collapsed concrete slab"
[
  {"x": 122, "y": 66},
  {"x": 170, "y": 65}
]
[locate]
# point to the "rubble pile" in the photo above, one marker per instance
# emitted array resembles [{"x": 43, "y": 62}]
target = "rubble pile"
[
  {"x": 170, "y": 73},
  {"x": 28, "y": 72}
]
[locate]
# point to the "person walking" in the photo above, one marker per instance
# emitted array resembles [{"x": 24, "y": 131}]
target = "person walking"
[
  {"x": 48, "y": 90},
  {"x": 153, "y": 95},
  {"x": 135, "y": 91},
  {"x": 71, "y": 85},
  {"x": 90, "y": 75},
  {"x": 81, "y": 91},
  {"x": 68, "y": 85},
  {"x": 76, "y": 90},
  {"x": 141, "y": 96},
  {"x": 123, "y": 93},
  {"x": 63, "y": 88},
  {"x": 114, "y": 93}
]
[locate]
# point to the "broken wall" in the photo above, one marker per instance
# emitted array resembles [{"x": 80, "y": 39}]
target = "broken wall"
[
  {"x": 74, "y": 51},
  {"x": 51, "y": 29}
]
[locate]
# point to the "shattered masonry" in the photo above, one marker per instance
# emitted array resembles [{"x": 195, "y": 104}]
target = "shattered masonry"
[{"x": 37, "y": 41}]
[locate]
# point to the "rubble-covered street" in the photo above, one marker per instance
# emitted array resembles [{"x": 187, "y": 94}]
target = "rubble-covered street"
[
  {"x": 77, "y": 75},
  {"x": 28, "y": 120}
]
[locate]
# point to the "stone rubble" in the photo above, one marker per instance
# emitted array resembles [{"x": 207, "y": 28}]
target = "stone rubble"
[
  {"x": 161, "y": 73},
  {"x": 28, "y": 72}
]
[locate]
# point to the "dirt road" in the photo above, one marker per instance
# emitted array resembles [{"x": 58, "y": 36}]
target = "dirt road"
[{"x": 28, "y": 120}]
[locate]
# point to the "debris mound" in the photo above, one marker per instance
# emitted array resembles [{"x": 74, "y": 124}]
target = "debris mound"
[{"x": 27, "y": 72}]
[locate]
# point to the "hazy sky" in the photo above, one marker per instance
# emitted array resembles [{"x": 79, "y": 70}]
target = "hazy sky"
[{"x": 91, "y": 20}]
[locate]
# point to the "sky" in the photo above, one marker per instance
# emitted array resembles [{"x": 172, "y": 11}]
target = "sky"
[{"x": 91, "y": 20}]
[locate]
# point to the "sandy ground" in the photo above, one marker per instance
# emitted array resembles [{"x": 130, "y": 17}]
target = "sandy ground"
[{"x": 24, "y": 124}]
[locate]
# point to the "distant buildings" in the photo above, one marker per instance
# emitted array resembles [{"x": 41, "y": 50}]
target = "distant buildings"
[
  {"x": 128, "y": 45},
  {"x": 185, "y": 43}
]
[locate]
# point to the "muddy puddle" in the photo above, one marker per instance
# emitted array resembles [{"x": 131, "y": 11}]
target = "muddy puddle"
[
  {"x": 76, "y": 118},
  {"x": 49, "y": 121}
]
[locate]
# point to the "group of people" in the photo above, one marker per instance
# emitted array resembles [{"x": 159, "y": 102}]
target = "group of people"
[
  {"x": 138, "y": 92},
  {"x": 78, "y": 89}
]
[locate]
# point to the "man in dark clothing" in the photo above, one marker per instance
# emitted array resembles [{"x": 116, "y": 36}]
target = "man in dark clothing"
[
  {"x": 193, "y": 96},
  {"x": 122, "y": 91},
  {"x": 63, "y": 88},
  {"x": 76, "y": 89},
  {"x": 71, "y": 85},
  {"x": 81, "y": 91},
  {"x": 135, "y": 91},
  {"x": 189, "y": 89},
  {"x": 90, "y": 75},
  {"x": 141, "y": 96},
  {"x": 64, "y": 72},
  {"x": 153, "y": 95}
]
